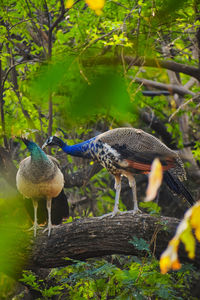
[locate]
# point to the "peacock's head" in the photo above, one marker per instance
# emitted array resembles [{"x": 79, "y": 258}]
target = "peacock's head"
[{"x": 53, "y": 141}]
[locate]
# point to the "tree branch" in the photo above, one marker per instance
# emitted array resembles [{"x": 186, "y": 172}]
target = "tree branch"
[
  {"x": 96, "y": 237},
  {"x": 145, "y": 62},
  {"x": 166, "y": 64},
  {"x": 172, "y": 88}
]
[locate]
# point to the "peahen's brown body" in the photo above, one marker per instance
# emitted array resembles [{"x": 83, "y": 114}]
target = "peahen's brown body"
[{"x": 39, "y": 176}]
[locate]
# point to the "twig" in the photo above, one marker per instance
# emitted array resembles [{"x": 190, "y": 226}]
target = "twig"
[{"x": 179, "y": 108}]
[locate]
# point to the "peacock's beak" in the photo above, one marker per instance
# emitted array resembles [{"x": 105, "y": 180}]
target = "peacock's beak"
[{"x": 44, "y": 145}]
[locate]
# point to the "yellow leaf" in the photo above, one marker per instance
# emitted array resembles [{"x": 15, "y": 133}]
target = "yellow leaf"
[
  {"x": 169, "y": 258},
  {"x": 195, "y": 217},
  {"x": 165, "y": 264},
  {"x": 194, "y": 220},
  {"x": 197, "y": 233},
  {"x": 69, "y": 3},
  {"x": 98, "y": 12},
  {"x": 96, "y": 5},
  {"x": 184, "y": 233},
  {"x": 174, "y": 243},
  {"x": 176, "y": 265},
  {"x": 155, "y": 180},
  {"x": 189, "y": 241}
]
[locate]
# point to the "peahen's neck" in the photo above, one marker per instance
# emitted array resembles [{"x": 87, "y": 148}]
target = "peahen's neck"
[{"x": 37, "y": 155}]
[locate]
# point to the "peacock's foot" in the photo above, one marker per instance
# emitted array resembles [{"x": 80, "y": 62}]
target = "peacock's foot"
[{"x": 136, "y": 211}]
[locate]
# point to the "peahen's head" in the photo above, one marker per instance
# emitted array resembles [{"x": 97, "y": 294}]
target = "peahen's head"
[
  {"x": 34, "y": 149},
  {"x": 29, "y": 144},
  {"x": 53, "y": 141}
]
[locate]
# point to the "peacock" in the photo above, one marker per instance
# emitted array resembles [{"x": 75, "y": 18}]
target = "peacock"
[
  {"x": 39, "y": 177},
  {"x": 128, "y": 152}
]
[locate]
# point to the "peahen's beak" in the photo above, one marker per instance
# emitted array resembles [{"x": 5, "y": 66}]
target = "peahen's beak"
[{"x": 26, "y": 141}]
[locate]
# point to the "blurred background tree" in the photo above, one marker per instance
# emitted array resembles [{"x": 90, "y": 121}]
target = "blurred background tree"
[{"x": 69, "y": 69}]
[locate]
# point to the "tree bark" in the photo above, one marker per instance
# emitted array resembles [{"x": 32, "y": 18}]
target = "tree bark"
[
  {"x": 145, "y": 62},
  {"x": 96, "y": 237}
]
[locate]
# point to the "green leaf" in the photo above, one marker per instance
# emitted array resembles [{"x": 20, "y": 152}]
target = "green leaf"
[{"x": 140, "y": 244}]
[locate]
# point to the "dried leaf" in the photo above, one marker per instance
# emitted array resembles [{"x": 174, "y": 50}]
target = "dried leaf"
[
  {"x": 169, "y": 258},
  {"x": 155, "y": 180}
]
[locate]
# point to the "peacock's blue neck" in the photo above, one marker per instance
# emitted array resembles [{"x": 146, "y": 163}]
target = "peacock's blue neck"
[{"x": 81, "y": 149}]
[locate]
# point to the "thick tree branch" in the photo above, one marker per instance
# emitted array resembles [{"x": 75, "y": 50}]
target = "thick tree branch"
[
  {"x": 166, "y": 64},
  {"x": 95, "y": 237},
  {"x": 145, "y": 62}
]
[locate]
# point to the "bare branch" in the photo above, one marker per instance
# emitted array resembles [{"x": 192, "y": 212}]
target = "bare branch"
[
  {"x": 178, "y": 89},
  {"x": 13, "y": 66},
  {"x": 179, "y": 108}
]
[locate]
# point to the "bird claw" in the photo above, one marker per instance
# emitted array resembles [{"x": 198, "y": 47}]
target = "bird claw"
[
  {"x": 136, "y": 211},
  {"x": 111, "y": 214},
  {"x": 34, "y": 228},
  {"x": 49, "y": 229}
]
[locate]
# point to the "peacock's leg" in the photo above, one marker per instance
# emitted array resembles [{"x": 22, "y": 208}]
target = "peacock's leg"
[
  {"x": 132, "y": 184},
  {"x": 117, "y": 194}
]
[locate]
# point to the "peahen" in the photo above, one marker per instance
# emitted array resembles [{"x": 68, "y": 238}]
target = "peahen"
[
  {"x": 39, "y": 177},
  {"x": 128, "y": 152}
]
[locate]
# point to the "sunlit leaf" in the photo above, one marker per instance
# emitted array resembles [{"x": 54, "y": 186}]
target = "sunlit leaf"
[
  {"x": 169, "y": 258},
  {"x": 184, "y": 233},
  {"x": 189, "y": 241},
  {"x": 96, "y": 5},
  {"x": 155, "y": 180},
  {"x": 195, "y": 223},
  {"x": 69, "y": 3}
]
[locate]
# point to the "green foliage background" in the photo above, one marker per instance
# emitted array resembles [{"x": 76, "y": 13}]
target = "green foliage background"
[{"x": 78, "y": 69}]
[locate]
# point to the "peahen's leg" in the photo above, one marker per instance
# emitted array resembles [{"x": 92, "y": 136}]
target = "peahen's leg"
[
  {"x": 49, "y": 200},
  {"x": 35, "y": 225}
]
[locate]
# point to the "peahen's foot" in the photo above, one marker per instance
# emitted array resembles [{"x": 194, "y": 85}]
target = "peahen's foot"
[
  {"x": 49, "y": 228},
  {"x": 34, "y": 228}
]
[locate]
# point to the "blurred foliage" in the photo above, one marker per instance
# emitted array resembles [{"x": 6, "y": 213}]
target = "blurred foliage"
[
  {"x": 88, "y": 96},
  {"x": 14, "y": 241}
]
